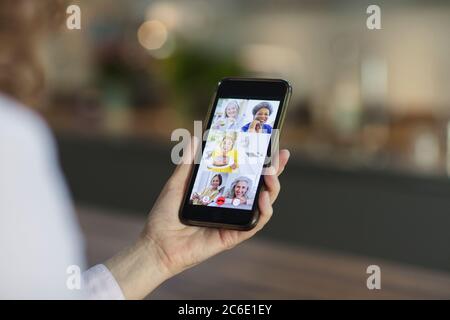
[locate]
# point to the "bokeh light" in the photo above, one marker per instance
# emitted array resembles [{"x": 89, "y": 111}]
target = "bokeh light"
[{"x": 152, "y": 35}]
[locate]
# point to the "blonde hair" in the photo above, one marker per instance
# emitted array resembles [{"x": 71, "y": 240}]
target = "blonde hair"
[
  {"x": 232, "y": 103},
  {"x": 231, "y": 136},
  {"x": 22, "y": 24}
]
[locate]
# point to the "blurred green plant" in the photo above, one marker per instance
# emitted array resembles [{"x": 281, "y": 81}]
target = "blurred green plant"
[{"x": 193, "y": 73}]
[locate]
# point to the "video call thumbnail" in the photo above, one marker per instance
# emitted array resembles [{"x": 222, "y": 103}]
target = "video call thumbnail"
[{"x": 234, "y": 153}]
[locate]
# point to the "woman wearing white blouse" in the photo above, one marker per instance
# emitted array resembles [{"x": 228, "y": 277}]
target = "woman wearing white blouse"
[{"x": 39, "y": 234}]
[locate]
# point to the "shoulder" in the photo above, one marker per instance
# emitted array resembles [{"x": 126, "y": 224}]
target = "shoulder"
[
  {"x": 245, "y": 128},
  {"x": 267, "y": 127},
  {"x": 21, "y": 129}
]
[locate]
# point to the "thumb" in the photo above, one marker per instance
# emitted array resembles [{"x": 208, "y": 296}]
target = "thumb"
[{"x": 172, "y": 195}]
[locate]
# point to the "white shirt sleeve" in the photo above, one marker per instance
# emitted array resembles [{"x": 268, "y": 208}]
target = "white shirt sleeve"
[
  {"x": 39, "y": 234},
  {"x": 100, "y": 284}
]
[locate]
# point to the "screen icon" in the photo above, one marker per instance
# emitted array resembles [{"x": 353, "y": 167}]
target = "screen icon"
[{"x": 220, "y": 201}]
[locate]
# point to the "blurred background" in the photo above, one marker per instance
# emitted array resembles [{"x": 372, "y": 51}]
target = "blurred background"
[{"x": 368, "y": 127}]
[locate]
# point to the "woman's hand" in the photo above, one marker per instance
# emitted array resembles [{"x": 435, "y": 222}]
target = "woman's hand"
[
  {"x": 195, "y": 196},
  {"x": 255, "y": 126},
  {"x": 166, "y": 247}
]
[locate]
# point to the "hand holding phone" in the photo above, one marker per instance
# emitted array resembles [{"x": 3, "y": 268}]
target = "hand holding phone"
[
  {"x": 166, "y": 246},
  {"x": 259, "y": 103},
  {"x": 179, "y": 246}
]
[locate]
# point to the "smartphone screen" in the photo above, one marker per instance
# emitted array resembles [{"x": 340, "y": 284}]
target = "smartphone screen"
[
  {"x": 225, "y": 184},
  {"x": 235, "y": 153}
]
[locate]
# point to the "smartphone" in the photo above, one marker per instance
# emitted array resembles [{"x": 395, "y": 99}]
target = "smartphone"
[{"x": 225, "y": 183}]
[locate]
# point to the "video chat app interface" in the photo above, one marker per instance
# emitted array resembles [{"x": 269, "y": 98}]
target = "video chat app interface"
[{"x": 234, "y": 154}]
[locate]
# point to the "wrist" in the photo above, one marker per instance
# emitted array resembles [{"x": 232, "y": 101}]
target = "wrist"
[
  {"x": 138, "y": 269},
  {"x": 160, "y": 258}
]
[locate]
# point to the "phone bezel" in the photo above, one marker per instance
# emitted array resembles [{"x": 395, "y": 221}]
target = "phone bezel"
[{"x": 238, "y": 88}]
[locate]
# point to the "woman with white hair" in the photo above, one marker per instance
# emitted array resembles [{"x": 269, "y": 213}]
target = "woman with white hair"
[{"x": 239, "y": 190}]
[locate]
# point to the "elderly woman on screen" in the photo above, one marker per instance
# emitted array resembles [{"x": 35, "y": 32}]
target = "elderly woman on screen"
[
  {"x": 230, "y": 119},
  {"x": 261, "y": 113},
  {"x": 239, "y": 189}
]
